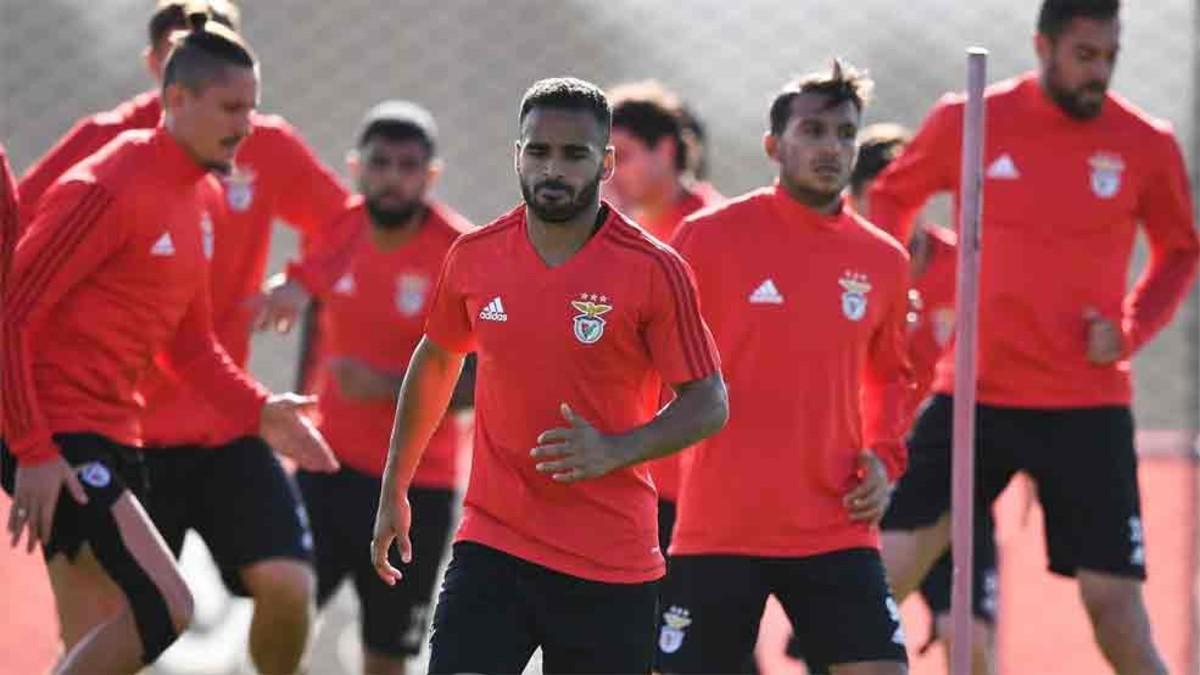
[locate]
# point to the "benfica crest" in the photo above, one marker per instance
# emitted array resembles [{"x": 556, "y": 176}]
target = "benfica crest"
[
  {"x": 1106, "y": 174},
  {"x": 239, "y": 188},
  {"x": 588, "y": 324},
  {"x": 855, "y": 287},
  {"x": 411, "y": 290},
  {"x": 674, "y": 627}
]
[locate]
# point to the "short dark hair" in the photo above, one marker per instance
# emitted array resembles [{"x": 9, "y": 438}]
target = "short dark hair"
[
  {"x": 201, "y": 55},
  {"x": 651, "y": 113},
  {"x": 171, "y": 15},
  {"x": 842, "y": 82},
  {"x": 568, "y": 93},
  {"x": 397, "y": 121},
  {"x": 1055, "y": 15},
  {"x": 878, "y": 145}
]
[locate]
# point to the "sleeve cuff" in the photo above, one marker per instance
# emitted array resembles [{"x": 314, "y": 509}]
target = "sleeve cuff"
[{"x": 34, "y": 449}]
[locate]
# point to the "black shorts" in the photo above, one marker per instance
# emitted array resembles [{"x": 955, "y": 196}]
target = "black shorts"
[
  {"x": 666, "y": 524},
  {"x": 1081, "y": 459},
  {"x": 839, "y": 605},
  {"x": 495, "y": 609},
  {"x": 237, "y": 497},
  {"x": 342, "y": 508},
  {"x": 97, "y": 460}
]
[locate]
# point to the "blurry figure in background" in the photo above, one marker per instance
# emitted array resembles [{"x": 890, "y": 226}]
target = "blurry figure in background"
[
  {"x": 112, "y": 271},
  {"x": 1072, "y": 173},
  {"x": 933, "y": 262},
  {"x": 375, "y": 295},
  {"x": 695, "y": 137},
  {"x": 228, "y": 487},
  {"x": 807, "y": 303},
  {"x": 652, "y": 185}
]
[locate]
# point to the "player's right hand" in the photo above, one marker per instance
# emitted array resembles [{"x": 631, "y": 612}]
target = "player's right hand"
[
  {"x": 284, "y": 426},
  {"x": 392, "y": 523},
  {"x": 280, "y": 304},
  {"x": 36, "y": 498}
]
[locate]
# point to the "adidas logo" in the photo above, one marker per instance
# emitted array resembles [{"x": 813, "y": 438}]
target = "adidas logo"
[
  {"x": 164, "y": 246},
  {"x": 494, "y": 311},
  {"x": 766, "y": 294},
  {"x": 1003, "y": 168},
  {"x": 345, "y": 285}
]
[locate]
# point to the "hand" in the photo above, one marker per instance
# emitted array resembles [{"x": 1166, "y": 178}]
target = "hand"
[
  {"x": 1104, "y": 340},
  {"x": 576, "y": 452},
  {"x": 868, "y": 501},
  {"x": 285, "y": 428},
  {"x": 358, "y": 381},
  {"x": 392, "y": 523},
  {"x": 280, "y": 304},
  {"x": 36, "y": 498}
]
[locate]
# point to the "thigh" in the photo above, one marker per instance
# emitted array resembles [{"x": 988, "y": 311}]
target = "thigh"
[
  {"x": 483, "y": 622},
  {"x": 840, "y": 607},
  {"x": 336, "y": 510},
  {"x": 251, "y": 510},
  {"x": 1087, "y": 483},
  {"x": 711, "y": 609},
  {"x": 593, "y": 627},
  {"x": 394, "y": 618}
]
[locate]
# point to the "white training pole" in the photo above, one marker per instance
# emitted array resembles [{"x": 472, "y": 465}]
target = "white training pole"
[{"x": 962, "y": 505}]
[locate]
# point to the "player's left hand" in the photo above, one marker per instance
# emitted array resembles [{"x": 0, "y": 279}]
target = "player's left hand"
[
  {"x": 279, "y": 306},
  {"x": 869, "y": 500},
  {"x": 285, "y": 427},
  {"x": 1104, "y": 340},
  {"x": 576, "y": 452}
]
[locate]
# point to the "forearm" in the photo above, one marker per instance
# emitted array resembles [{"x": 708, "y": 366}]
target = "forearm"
[
  {"x": 699, "y": 410},
  {"x": 422, "y": 403},
  {"x": 1157, "y": 295}
]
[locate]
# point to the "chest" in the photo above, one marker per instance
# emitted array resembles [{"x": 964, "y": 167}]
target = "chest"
[
  {"x": 171, "y": 243},
  {"x": 382, "y": 295},
  {"x": 1076, "y": 183}
]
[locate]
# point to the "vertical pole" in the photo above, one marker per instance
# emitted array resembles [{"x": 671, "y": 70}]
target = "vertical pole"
[{"x": 966, "y": 343}]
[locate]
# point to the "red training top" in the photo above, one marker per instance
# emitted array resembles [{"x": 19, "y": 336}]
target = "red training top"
[
  {"x": 1062, "y": 201},
  {"x": 111, "y": 273},
  {"x": 808, "y": 311},
  {"x": 601, "y": 332}
]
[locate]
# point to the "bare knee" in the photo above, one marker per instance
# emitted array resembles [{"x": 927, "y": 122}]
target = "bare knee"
[
  {"x": 1111, "y": 600},
  {"x": 375, "y": 663},
  {"x": 909, "y": 554},
  {"x": 286, "y": 584}
]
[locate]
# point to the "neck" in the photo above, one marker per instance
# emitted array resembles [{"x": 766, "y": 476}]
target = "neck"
[
  {"x": 388, "y": 238},
  {"x": 821, "y": 202},
  {"x": 661, "y": 200},
  {"x": 556, "y": 242}
]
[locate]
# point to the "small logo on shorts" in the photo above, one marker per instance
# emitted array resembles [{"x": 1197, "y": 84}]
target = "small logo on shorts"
[
  {"x": 95, "y": 474},
  {"x": 1138, "y": 540},
  {"x": 675, "y": 623},
  {"x": 894, "y": 613}
]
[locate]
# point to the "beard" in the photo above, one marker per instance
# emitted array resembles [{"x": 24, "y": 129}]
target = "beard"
[
  {"x": 390, "y": 217},
  {"x": 1071, "y": 101},
  {"x": 576, "y": 203}
]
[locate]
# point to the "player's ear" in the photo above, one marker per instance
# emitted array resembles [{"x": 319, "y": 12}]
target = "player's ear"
[
  {"x": 353, "y": 164},
  {"x": 434, "y": 172},
  {"x": 1043, "y": 46},
  {"x": 609, "y": 162},
  {"x": 771, "y": 145}
]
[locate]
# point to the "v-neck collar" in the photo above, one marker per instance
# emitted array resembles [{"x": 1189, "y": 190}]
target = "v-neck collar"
[{"x": 607, "y": 212}]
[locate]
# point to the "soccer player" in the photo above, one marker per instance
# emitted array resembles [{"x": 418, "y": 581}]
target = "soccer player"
[
  {"x": 111, "y": 272},
  {"x": 577, "y": 317},
  {"x": 375, "y": 297},
  {"x": 1071, "y": 173},
  {"x": 651, "y": 183},
  {"x": 805, "y": 298},
  {"x": 933, "y": 254},
  {"x": 225, "y": 485}
]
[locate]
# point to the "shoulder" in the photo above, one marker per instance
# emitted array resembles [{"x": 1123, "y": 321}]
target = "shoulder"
[
  {"x": 474, "y": 240},
  {"x": 714, "y": 219},
  {"x": 121, "y": 161},
  {"x": 890, "y": 251},
  {"x": 640, "y": 252},
  {"x": 275, "y": 132},
  {"x": 140, "y": 112},
  {"x": 1133, "y": 119}
]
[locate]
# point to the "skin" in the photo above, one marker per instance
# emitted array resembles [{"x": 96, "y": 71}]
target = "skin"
[{"x": 645, "y": 181}]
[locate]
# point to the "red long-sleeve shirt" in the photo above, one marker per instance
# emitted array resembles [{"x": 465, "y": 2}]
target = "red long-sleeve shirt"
[
  {"x": 931, "y": 325},
  {"x": 808, "y": 312},
  {"x": 276, "y": 177},
  {"x": 111, "y": 274},
  {"x": 1062, "y": 202},
  {"x": 9, "y": 219}
]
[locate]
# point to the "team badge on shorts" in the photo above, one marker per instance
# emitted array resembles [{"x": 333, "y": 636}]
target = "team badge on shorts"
[
  {"x": 411, "y": 290},
  {"x": 1106, "y": 174},
  {"x": 588, "y": 324},
  {"x": 854, "y": 297},
  {"x": 239, "y": 188},
  {"x": 674, "y": 628},
  {"x": 95, "y": 474}
]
